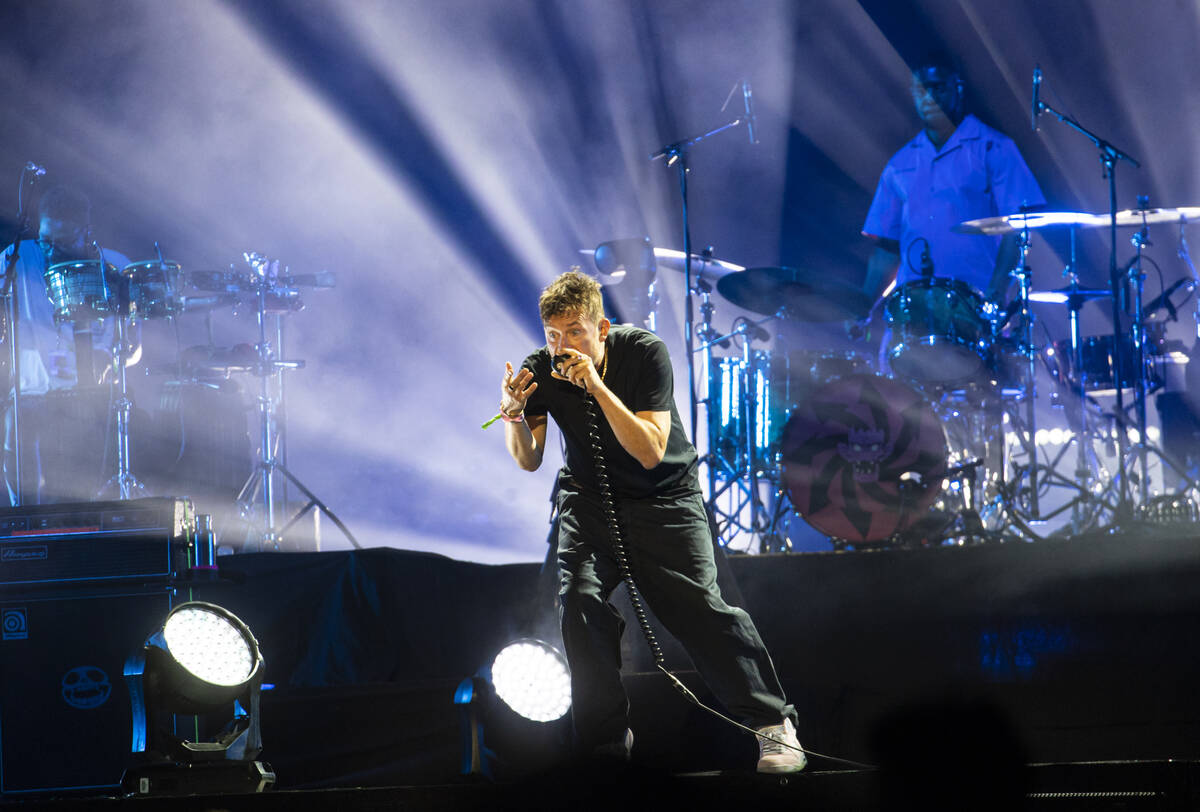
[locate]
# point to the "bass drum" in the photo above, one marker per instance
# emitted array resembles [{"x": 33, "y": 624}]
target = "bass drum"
[{"x": 863, "y": 458}]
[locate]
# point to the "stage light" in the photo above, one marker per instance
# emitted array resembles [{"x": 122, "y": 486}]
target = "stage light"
[
  {"x": 531, "y": 677},
  {"x": 531, "y": 680},
  {"x": 202, "y": 662}
]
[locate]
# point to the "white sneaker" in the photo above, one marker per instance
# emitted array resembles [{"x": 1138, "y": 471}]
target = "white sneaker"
[
  {"x": 620, "y": 751},
  {"x": 783, "y": 755}
]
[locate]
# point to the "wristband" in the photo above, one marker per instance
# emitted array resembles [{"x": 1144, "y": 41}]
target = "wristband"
[{"x": 518, "y": 419}]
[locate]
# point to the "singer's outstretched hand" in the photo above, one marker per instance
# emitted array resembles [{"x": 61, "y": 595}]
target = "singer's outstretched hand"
[{"x": 516, "y": 389}]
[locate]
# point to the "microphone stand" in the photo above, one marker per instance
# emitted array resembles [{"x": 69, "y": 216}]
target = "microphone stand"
[
  {"x": 1109, "y": 156},
  {"x": 676, "y": 155},
  {"x": 11, "y": 333}
]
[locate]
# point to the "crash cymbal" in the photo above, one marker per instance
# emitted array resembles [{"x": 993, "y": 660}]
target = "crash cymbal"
[
  {"x": 1136, "y": 218},
  {"x": 1012, "y": 223},
  {"x": 1062, "y": 295},
  {"x": 794, "y": 293}
]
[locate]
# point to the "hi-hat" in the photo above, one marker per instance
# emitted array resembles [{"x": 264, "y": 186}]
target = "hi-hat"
[{"x": 794, "y": 293}]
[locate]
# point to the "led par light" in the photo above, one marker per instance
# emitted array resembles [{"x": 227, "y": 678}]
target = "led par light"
[
  {"x": 202, "y": 661},
  {"x": 531, "y": 677},
  {"x": 532, "y": 681}
]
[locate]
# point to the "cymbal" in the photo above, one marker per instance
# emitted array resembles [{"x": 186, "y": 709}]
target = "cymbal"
[
  {"x": 1137, "y": 217},
  {"x": 794, "y": 293},
  {"x": 1062, "y": 295},
  {"x": 1012, "y": 223}
]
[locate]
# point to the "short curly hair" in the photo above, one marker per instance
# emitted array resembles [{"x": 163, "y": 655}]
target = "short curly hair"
[
  {"x": 65, "y": 203},
  {"x": 572, "y": 292}
]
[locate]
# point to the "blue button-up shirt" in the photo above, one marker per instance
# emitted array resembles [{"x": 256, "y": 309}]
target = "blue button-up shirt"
[{"x": 925, "y": 192}]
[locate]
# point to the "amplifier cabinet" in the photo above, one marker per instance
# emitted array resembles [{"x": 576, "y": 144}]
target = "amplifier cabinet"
[
  {"x": 138, "y": 539},
  {"x": 65, "y": 721}
]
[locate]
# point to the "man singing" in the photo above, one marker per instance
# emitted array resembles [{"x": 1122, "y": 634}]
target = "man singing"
[{"x": 651, "y": 469}]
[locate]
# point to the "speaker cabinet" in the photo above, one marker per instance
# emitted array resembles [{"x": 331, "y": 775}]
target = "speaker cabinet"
[{"x": 65, "y": 721}]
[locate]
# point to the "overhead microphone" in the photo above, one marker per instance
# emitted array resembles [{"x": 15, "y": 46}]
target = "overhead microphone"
[
  {"x": 1036, "y": 106},
  {"x": 38, "y": 171},
  {"x": 748, "y": 101}
]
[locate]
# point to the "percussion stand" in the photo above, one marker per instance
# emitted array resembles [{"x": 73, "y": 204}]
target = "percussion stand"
[
  {"x": 124, "y": 483},
  {"x": 262, "y": 480}
]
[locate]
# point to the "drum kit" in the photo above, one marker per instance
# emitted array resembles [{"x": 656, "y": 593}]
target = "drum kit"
[
  {"x": 84, "y": 292},
  {"x": 933, "y": 438}
]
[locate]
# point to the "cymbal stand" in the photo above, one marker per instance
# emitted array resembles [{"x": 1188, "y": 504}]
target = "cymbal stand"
[
  {"x": 1024, "y": 276},
  {"x": 270, "y": 370},
  {"x": 706, "y": 333},
  {"x": 1138, "y": 330},
  {"x": 123, "y": 485},
  {"x": 1083, "y": 470},
  {"x": 1109, "y": 157}
]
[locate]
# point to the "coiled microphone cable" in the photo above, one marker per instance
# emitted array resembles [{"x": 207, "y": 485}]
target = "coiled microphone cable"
[{"x": 620, "y": 553}]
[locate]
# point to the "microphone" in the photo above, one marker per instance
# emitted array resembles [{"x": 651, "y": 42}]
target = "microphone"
[
  {"x": 748, "y": 101},
  {"x": 1036, "y": 106},
  {"x": 926, "y": 262},
  {"x": 37, "y": 171}
]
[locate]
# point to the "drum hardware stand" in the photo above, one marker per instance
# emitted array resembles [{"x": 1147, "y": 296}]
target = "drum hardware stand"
[
  {"x": 1109, "y": 156},
  {"x": 676, "y": 154},
  {"x": 124, "y": 485},
  {"x": 1138, "y": 280},
  {"x": 267, "y": 369},
  {"x": 748, "y": 478},
  {"x": 1024, "y": 275}
]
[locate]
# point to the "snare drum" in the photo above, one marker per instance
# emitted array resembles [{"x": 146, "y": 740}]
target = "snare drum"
[
  {"x": 82, "y": 290},
  {"x": 154, "y": 289},
  {"x": 730, "y": 388},
  {"x": 863, "y": 458},
  {"x": 939, "y": 333}
]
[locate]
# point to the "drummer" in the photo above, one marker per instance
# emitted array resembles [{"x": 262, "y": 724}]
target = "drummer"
[
  {"x": 955, "y": 169},
  {"x": 47, "y": 360},
  {"x": 48, "y": 349}
]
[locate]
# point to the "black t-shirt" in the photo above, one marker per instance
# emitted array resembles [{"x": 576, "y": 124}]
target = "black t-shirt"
[{"x": 639, "y": 374}]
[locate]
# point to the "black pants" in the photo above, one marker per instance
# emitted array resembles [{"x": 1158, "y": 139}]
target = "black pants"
[{"x": 670, "y": 552}]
